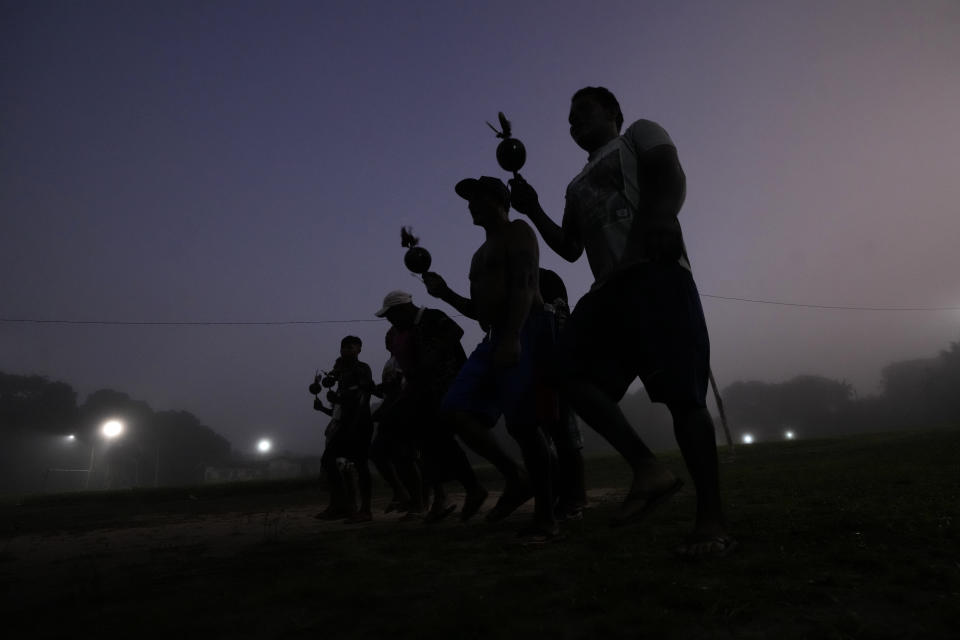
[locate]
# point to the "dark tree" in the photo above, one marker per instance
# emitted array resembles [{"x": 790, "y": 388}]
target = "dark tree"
[
  {"x": 36, "y": 404},
  {"x": 183, "y": 447}
]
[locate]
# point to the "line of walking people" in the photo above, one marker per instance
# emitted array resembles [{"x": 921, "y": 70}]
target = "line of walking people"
[{"x": 642, "y": 317}]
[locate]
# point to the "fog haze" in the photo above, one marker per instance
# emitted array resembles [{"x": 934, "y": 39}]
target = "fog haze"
[{"x": 249, "y": 162}]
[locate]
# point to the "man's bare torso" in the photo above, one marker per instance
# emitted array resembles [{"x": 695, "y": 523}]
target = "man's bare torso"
[{"x": 493, "y": 277}]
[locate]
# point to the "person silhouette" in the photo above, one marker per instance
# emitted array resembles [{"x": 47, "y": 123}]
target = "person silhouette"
[{"x": 642, "y": 317}]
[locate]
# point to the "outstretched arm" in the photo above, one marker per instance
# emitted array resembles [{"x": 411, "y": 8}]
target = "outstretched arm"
[
  {"x": 524, "y": 199},
  {"x": 437, "y": 287}
]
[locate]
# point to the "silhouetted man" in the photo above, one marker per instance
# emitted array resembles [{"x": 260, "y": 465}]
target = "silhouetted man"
[
  {"x": 642, "y": 316},
  {"x": 393, "y": 449},
  {"x": 426, "y": 346},
  {"x": 499, "y": 376},
  {"x": 349, "y": 433},
  {"x": 561, "y": 422}
]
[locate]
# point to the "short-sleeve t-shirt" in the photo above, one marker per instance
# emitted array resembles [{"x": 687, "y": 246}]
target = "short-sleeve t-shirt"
[
  {"x": 429, "y": 353},
  {"x": 603, "y": 201},
  {"x": 356, "y": 380}
]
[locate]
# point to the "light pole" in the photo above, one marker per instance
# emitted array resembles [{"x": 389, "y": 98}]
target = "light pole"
[{"x": 110, "y": 430}]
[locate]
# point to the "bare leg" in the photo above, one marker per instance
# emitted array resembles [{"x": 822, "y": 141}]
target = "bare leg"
[
  {"x": 479, "y": 438},
  {"x": 413, "y": 481},
  {"x": 536, "y": 456},
  {"x": 569, "y": 484},
  {"x": 388, "y": 471},
  {"x": 338, "y": 506},
  {"x": 349, "y": 475},
  {"x": 652, "y": 480},
  {"x": 694, "y": 430},
  {"x": 362, "y": 487},
  {"x": 365, "y": 486}
]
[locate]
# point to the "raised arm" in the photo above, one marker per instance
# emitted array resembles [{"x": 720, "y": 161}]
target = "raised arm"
[
  {"x": 524, "y": 199},
  {"x": 437, "y": 287}
]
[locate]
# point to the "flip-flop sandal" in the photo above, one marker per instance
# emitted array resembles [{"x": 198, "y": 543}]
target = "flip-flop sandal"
[
  {"x": 507, "y": 504},
  {"x": 472, "y": 504},
  {"x": 436, "y": 516},
  {"x": 410, "y": 516},
  {"x": 393, "y": 505},
  {"x": 719, "y": 547},
  {"x": 536, "y": 537},
  {"x": 649, "y": 504}
]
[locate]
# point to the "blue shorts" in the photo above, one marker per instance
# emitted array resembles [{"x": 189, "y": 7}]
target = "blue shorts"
[
  {"x": 646, "y": 322},
  {"x": 488, "y": 391}
]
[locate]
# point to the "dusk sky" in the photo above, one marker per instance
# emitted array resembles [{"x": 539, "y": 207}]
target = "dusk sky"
[{"x": 218, "y": 162}]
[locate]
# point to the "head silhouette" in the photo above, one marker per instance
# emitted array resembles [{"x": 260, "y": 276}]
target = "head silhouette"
[{"x": 595, "y": 117}]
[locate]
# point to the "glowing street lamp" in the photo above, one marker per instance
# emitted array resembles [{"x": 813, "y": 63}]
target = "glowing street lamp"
[
  {"x": 789, "y": 435},
  {"x": 747, "y": 438},
  {"x": 111, "y": 429},
  {"x": 264, "y": 445}
]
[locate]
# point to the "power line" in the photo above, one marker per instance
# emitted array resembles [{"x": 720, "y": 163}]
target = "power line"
[
  {"x": 191, "y": 323},
  {"x": 185, "y": 323},
  {"x": 828, "y": 306}
]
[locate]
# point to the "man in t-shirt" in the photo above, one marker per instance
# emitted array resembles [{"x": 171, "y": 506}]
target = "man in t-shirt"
[
  {"x": 642, "y": 316},
  {"x": 425, "y": 343},
  {"x": 349, "y": 433},
  {"x": 561, "y": 423}
]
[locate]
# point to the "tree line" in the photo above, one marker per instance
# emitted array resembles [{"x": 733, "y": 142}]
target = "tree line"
[
  {"x": 174, "y": 447},
  {"x": 916, "y": 393},
  {"x": 43, "y": 428}
]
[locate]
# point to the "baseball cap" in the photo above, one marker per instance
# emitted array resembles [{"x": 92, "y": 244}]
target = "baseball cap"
[
  {"x": 393, "y": 299},
  {"x": 471, "y": 188}
]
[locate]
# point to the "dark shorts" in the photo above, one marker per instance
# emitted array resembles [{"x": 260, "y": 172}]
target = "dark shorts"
[
  {"x": 484, "y": 390},
  {"x": 352, "y": 443},
  {"x": 647, "y": 323}
]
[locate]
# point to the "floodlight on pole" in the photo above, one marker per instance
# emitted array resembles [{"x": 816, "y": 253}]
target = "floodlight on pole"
[
  {"x": 264, "y": 445},
  {"x": 747, "y": 438},
  {"x": 112, "y": 429}
]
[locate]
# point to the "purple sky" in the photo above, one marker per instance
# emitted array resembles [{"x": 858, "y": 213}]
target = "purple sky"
[{"x": 237, "y": 161}]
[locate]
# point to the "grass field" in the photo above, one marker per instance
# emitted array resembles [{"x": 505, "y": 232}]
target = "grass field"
[{"x": 846, "y": 538}]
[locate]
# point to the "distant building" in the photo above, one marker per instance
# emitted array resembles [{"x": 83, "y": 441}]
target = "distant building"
[{"x": 272, "y": 469}]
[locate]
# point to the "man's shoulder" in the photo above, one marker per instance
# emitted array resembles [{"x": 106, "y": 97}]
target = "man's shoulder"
[
  {"x": 435, "y": 319},
  {"x": 363, "y": 367},
  {"x": 521, "y": 229},
  {"x": 432, "y": 315},
  {"x": 646, "y": 134}
]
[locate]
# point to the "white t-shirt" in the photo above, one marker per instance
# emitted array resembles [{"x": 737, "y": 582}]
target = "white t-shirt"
[{"x": 603, "y": 201}]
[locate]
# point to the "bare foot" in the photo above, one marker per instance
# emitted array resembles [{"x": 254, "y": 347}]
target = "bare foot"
[
  {"x": 536, "y": 534},
  {"x": 359, "y": 516},
  {"x": 331, "y": 513},
  {"x": 509, "y": 501},
  {"x": 652, "y": 485},
  {"x": 438, "y": 512},
  {"x": 472, "y": 503},
  {"x": 703, "y": 546}
]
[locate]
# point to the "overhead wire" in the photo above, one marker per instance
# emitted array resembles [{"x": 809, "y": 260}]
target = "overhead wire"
[{"x": 356, "y": 320}]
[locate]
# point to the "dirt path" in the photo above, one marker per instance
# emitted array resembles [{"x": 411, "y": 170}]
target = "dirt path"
[{"x": 39, "y": 562}]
